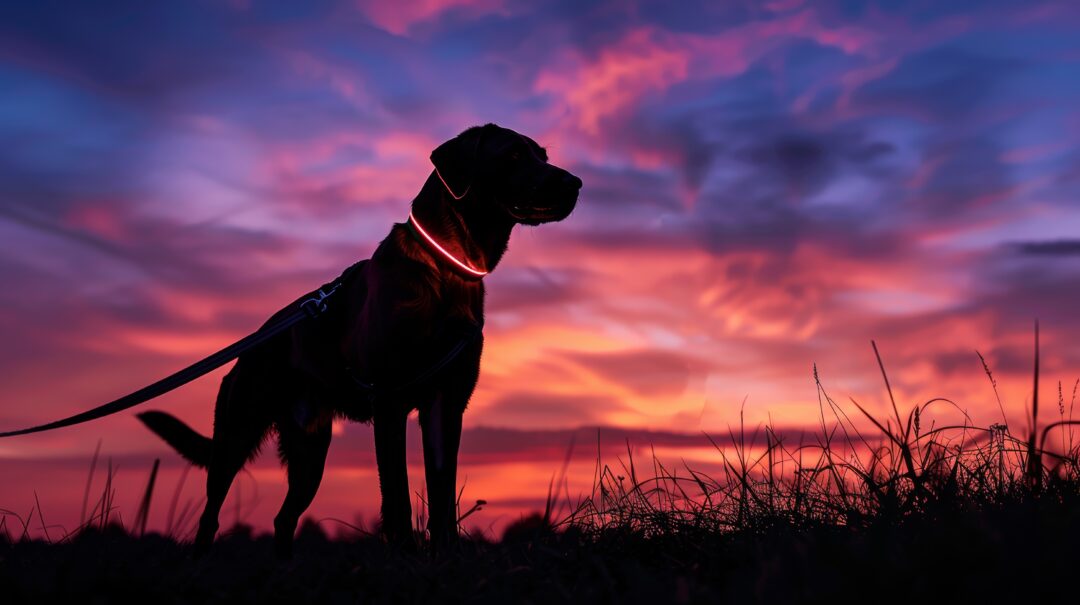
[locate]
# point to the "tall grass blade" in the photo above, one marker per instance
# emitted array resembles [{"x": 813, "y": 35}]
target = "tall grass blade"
[
  {"x": 89, "y": 481},
  {"x": 1034, "y": 459},
  {"x": 144, "y": 507}
]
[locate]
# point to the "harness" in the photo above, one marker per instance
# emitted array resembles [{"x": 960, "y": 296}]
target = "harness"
[{"x": 472, "y": 333}]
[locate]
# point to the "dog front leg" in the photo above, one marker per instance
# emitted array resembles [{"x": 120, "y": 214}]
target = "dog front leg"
[
  {"x": 441, "y": 427},
  {"x": 390, "y": 423}
]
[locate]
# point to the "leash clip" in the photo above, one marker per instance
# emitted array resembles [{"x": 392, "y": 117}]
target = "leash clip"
[{"x": 316, "y": 306}]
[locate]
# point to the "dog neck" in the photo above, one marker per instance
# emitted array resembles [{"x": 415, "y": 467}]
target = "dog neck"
[
  {"x": 428, "y": 240},
  {"x": 456, "y": 232}
]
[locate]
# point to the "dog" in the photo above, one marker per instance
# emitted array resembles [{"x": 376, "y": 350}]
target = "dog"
[{"x": 403, "y": 332}]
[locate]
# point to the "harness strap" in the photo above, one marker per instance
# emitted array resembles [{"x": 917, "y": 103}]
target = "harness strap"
[{"x": 474, "y": 331}]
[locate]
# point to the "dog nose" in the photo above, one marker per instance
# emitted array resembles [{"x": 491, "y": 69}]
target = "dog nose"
[{"x": 571, "y": 182}]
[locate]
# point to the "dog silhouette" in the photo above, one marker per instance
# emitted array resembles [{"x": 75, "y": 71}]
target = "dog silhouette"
[{"x": 403, "y": 332}]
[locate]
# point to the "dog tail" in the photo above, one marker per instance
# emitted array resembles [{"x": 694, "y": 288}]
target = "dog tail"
[{"x": 192, "y": 446}]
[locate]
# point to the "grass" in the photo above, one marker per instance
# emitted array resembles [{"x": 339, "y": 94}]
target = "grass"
[
  {"x": 845, "y": 477},
  {"x": 905, "y": 510}
]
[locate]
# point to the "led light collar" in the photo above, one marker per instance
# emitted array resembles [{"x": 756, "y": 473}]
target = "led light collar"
[{"x": 431, "y": 240}]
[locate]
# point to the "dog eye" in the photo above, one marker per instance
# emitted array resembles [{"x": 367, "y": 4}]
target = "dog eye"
[{"x": 515, "y": 156}]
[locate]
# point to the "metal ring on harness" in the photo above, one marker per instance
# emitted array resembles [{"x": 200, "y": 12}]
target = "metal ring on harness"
[{"x": 317, "y": 305}]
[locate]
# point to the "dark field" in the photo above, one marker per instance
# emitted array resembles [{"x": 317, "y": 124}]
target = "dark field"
[{"x": 1017, "y": 552}]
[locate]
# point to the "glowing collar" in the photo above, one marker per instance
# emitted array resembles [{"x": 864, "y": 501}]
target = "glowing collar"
[{"x": 431, "y": 240}]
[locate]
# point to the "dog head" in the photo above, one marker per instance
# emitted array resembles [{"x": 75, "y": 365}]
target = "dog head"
[{"x": 493, "y": 165}]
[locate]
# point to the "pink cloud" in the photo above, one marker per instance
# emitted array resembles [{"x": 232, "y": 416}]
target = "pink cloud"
[
  {"x": 882, "y": 43},
  {"x": 346, "y": 82},
  {"x": 855, "y": 79},
  {"x": 640, "y": 63},
  {"x": 315, "y": 178},
  {"x": 400, "y": 17},
  {"x": 925, "y": 171},
  {"x": 1034, "y": 153},
  {"x": 648, "y": 61},
  {"x": 100, "y": 218}
]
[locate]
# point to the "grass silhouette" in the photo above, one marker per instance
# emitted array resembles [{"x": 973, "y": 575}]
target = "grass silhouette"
[{"x": 905, "y": 510}]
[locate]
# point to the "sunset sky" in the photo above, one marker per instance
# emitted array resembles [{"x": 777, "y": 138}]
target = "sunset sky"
[{"x": 767, "y": 186}]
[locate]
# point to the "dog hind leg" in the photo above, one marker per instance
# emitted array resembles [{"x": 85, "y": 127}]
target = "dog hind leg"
[
  {"x": 304, "y": 453},
  {"x": 239, "y": 430}
]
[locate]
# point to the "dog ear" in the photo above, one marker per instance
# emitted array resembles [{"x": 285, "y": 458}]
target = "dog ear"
[{"x": 455, "y": 161}]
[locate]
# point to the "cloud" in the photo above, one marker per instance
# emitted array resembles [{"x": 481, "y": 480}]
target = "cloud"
[
  {"x": 148, "y": 56},
  {"x": 1064, "y": 247},
  {"x": 617, "y": 78},
  {"x": 651, "y": 373},
  {"x": 534, "y": 290},
  {"x": 538, "y": 409},
  {"x": 647, "y": 62},
  {"x": 939, "y": 83},
  {"x": 401, "y": 18}
]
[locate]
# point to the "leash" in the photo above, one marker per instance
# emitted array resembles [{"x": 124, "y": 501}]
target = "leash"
[{"x": 308, "y": 309}]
